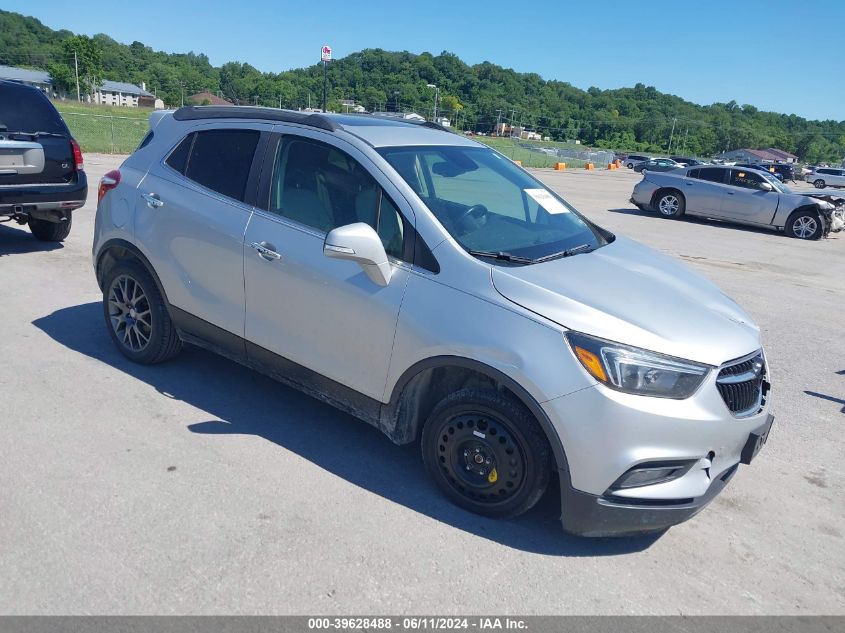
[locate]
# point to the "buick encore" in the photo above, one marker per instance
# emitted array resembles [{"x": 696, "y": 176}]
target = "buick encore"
[{"x": 426, "y": 284}]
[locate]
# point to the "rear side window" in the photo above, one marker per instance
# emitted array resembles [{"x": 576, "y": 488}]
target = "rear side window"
[
  {"x": 712, "y": 174},
  {"x": 178, "y": 158},
  {"x": 23, "y": 109},
  {"x": 221, "y": 160},
  {"x": 693, "y": 173}
]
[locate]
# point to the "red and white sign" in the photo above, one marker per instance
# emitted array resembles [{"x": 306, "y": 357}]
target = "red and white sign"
[{"x": 326, "y": 53}]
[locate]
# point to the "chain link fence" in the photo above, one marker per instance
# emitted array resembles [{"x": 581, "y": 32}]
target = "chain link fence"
[
  {"x": 106, "y": 133},
  {"x": 547, "y": 154}
]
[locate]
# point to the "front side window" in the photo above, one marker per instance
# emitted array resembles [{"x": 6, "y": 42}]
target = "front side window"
[
  {"x": 221, "y": 160},
  {"x": 747, "y": 179},
  {"x": 321, "y": 186},
  {"x": 490, "y": 206}
]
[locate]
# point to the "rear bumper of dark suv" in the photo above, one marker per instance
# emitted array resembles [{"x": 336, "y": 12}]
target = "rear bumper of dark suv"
[{"x": 44, "y": 201}]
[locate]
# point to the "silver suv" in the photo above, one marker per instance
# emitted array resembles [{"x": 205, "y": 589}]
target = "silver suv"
[{"x": 427, "y": 285}]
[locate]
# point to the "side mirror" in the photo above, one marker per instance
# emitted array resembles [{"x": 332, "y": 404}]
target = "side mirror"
[
  {"x": 766, "y": 186},
  {"x": 360, "y": 243}
]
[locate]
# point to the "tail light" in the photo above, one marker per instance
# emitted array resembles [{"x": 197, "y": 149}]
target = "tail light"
[
  {"x": 107, "y": 183},
  {"x": 78, "y": 165}
]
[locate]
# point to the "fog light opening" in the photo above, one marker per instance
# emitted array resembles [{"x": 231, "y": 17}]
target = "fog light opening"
[{"x": 651, "y": 473}]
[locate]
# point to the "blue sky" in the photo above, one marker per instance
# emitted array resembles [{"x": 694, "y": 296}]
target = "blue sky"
[{"x": 701, "y": 51}]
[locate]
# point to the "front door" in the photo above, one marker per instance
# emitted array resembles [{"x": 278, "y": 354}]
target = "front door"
[
  {"x": 323, "y": 314},
  {"x": 745, "y": 199}
]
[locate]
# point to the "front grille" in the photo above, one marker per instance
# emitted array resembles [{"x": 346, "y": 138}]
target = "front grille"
[{"x": 741, "y": 384}]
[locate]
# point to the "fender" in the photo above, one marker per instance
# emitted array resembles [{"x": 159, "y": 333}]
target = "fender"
[
  {"x": 127, "y": 246},
  {"x": 466, "y": 363}
]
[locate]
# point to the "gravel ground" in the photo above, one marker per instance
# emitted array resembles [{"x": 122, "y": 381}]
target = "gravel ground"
[{"x": 200, "y": 487}]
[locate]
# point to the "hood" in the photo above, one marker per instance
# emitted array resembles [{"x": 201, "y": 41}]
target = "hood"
[{"x": 630, "y": 294}]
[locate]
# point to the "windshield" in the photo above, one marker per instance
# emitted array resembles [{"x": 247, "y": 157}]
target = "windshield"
[
  {"x": 489, "y": 205},
  {"x": 777, "y": 184}
]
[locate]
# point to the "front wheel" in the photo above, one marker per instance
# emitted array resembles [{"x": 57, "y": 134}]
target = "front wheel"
[
  {"x": 486, "y": 453},
  {"x": 671, "y": 204},
  {"x": 819, "y": 184},
  {"x": 50, "y": 231},
  {"x": 804, "y": 225}
]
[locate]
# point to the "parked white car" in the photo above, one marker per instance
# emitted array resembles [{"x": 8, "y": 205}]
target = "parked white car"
[{"x": 822, "y": 177}]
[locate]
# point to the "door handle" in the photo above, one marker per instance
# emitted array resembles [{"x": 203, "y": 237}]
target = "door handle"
[
  {"x": 730, "y": 193},
  {"x": 153, "y": 201},
  {"x": 266, "y": 250}
]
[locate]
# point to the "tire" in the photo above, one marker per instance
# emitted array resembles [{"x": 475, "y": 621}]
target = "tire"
[
  {"x": 50, "y": 231},
  {"x": 629, "y": 165},
  {"x": 670, "y": 204},
  {"x": 804, "y": 225},
  {"x": 130, "y": 295},
  {"x": 475, "y": 425},
  {"x": 819, "y": 184}
]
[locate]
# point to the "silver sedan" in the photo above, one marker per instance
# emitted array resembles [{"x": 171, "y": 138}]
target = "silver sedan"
[{"x": 742, "y": 195}]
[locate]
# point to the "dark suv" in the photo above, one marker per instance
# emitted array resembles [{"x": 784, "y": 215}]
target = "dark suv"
[{"x": 41, "y": 175}]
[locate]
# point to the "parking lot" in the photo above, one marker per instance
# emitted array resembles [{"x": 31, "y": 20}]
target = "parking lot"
[{"x": 201, "y": 487}]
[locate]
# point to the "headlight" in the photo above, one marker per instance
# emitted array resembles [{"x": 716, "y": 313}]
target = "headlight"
[{"x": 635, "y": 370}]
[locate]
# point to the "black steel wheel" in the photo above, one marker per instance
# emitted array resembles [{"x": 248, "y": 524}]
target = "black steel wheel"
[{"x": 487, "y": 453}]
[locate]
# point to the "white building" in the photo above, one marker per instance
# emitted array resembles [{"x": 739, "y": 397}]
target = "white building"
[{"x": 115, "y": 93}]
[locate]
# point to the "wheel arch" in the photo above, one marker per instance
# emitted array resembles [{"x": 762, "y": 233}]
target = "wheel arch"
[
  {"x": 813, "y": 209},
  {"x": 427, "y": 382},
  {"x": 116, "y": 250},
  {"x": 666, "y": 189}
]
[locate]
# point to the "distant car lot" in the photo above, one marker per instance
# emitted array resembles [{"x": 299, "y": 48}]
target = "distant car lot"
[{"x": 191, "y": 487}]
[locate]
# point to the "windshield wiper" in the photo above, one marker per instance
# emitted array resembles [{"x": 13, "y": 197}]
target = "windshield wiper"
[
  {"x": 582, "y": 248},
  {"x": 503, "y": 257}
]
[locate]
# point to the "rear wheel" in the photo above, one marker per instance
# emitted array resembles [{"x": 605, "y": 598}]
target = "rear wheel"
[
  {"x": 671, "y": 204},
  {"x": 136, "y": 315},
  {"x": 819, "y": 184},
  {"x": 486, "y": 453},
  {"x": 50, "y": 231},
  {"x": 804, "y": 225}
]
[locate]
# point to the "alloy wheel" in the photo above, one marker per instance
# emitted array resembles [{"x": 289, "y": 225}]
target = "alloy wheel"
[
  {"x": 668, "y": 205},
  {"x": 804, "y": 227},
  {"x": 129, "y": 313}
]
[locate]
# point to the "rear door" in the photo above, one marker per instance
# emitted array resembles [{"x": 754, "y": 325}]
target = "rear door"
[
  {"x": 34, "y": 140},
  {"x": 704, "y": 190},
  {"x": 191, "y": 213},
  {"x": 745, "y": 199}
]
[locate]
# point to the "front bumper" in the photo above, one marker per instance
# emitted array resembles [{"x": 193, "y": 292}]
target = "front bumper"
[
  {"x": 606, "y": 434},
  {"x": 585, "y": 514}
]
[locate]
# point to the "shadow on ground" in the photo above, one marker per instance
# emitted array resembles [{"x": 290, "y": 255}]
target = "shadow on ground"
[
  {"x": 243, "y": 402},
  {"x": 693, "y": 219},
  {"x": 16, "y": 241}
]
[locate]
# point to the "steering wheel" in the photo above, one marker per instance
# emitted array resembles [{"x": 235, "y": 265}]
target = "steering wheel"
[{"x": 476, "y": 209}]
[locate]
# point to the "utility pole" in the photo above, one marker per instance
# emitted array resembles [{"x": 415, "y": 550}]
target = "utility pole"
[
  {"x": 182, "y": 87},
  {"x": 76, "y": 71},
  {"x": 499, "y": 123},
  {"x": 436, "y": 94},
  {"x": 513, "y": 116},
  {"x": 674, "y": 120},
  {"x": 280, "y": 102}
]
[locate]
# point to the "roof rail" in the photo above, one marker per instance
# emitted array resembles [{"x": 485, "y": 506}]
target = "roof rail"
[{"x": 193, "y": 113}]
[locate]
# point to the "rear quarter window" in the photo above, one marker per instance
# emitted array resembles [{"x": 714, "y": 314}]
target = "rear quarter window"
[{"x": 23, "y": 109}]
